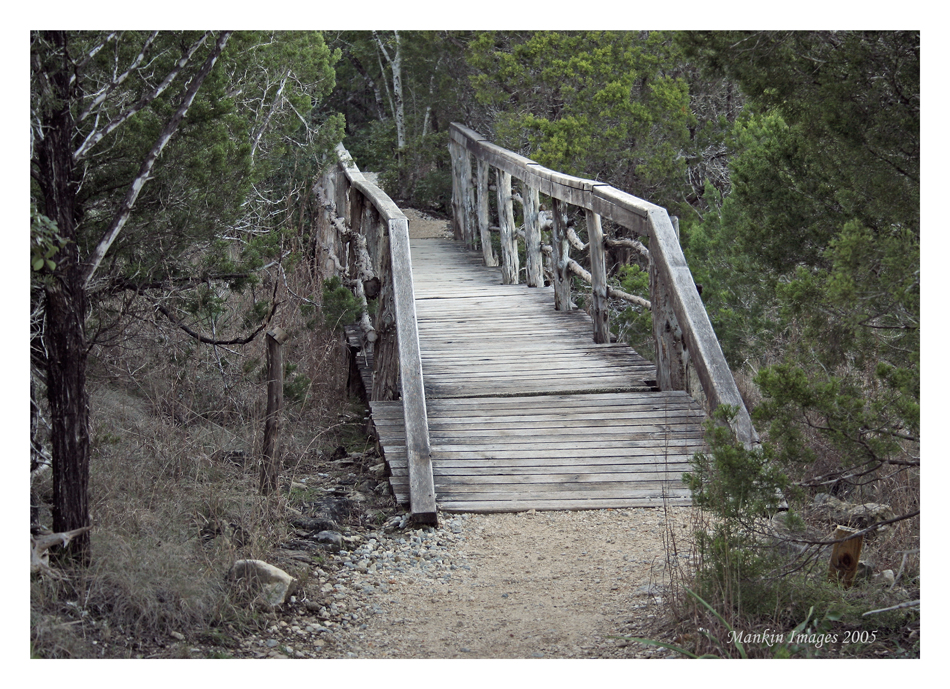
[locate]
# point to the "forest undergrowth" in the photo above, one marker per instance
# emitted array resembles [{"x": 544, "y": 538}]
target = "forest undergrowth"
[{"x": 177, "y": 431}]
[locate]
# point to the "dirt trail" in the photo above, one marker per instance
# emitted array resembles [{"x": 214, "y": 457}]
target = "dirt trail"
[{"x": 541, "y": 585}]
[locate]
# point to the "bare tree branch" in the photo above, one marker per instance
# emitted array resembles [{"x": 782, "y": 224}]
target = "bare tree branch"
[
  {"x": 270, "y": 113},
  {"x": 96, "y": 135},
  {"x": 214, "y": 341},
  {"x": 873, "y": 527}
]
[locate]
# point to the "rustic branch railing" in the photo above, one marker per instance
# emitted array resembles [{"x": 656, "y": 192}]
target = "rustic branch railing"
[
  {"x": 365, "y": 237},
  {"x": 681, "y": 328}
]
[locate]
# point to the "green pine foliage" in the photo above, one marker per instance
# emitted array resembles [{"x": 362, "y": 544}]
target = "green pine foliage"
[
  {"x": 604, "y": 105},
  {"x": 811, "y": 268},
  {"x": 340, "y": 307}
]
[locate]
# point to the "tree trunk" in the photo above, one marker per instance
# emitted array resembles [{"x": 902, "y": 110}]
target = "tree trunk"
[
  {"x": 398, "y": 96},
  {"x": 69, "y": 406},
  {"x": 65, "y": 332},
  {"x": 395, "y": 64}
]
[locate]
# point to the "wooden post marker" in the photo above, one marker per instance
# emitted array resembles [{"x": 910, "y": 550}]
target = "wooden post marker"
[
  {"x": 506, "y": 224},
  {"x": 270, "y": 463},
  {"x": 845, "y": 556}
]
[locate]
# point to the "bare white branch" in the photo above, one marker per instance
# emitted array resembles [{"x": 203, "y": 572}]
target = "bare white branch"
[
  {"x": 125, "y": 209},
  {"x": 111, "y": 86},
  {"x": 96, "y": 135},
  {"x": 270, "y": 113}
]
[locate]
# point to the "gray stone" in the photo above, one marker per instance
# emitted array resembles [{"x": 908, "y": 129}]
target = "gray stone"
[
  {"x": 314, "y": 525},
  {"x": 270, "y": 585},
  {"x": 849, "y": 514},
  {"x": 332, "y": 540}
]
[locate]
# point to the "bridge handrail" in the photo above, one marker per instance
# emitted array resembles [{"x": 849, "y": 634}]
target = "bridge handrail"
[
  {"x": 360, "y": 209},
  {"x": 681, "y": 326}
]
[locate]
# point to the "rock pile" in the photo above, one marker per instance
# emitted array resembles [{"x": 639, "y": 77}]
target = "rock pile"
[{"x": 358, "y": 571}]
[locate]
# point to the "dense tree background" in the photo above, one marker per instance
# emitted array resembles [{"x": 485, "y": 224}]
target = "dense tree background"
[{"x": 821, "y": 234}]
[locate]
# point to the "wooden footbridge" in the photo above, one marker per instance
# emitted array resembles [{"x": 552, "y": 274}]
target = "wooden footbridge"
[{"x": 490, "y": 395}]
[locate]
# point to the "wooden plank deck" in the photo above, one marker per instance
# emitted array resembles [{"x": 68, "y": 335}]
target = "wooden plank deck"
[{"x": 524, "y": 410}]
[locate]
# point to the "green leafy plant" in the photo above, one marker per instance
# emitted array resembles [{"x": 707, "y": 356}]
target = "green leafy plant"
[
  {"x": 296, "y": 386},
  {"x": 737, "y": 486},
  {"x": 45, "y": 241}
]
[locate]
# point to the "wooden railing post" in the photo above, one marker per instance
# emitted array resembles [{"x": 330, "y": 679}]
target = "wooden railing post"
[
  {"x": 599, "y": 311},
  {"x": 355, "y": 215},
  {"x": 488, "y": 253},
  {"x": 270, "y": 461},
  {"x": 458, "y": 205},
  {"x": 532, "y": 235},
  {"x": 671, "y": 353},
  {"x": 468, "y": 198},
  {"x": 560, "y": 253},
  {"x": 506, "y": 224},
  {"x": 386, "y": 351}
]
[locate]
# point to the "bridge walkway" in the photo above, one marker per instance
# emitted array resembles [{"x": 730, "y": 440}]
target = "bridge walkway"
[{"x": 524, "y": 410}]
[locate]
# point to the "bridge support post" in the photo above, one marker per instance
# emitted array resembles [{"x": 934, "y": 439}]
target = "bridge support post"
[
  {"x": 270, "y": 463},
  {"x": 560, "y": 253},
  {"x": 386, "y": 350},
  {"x": 671, "y": 353},
  {"x": 469, "y": 201},
  {"x": 458, "y": 204}
]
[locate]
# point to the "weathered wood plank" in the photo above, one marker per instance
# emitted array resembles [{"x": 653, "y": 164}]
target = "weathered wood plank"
[
  {"x": 645, "y": 499},
  {"x": 410, "y": 370},
  {"x": 678, "y": 462}
]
